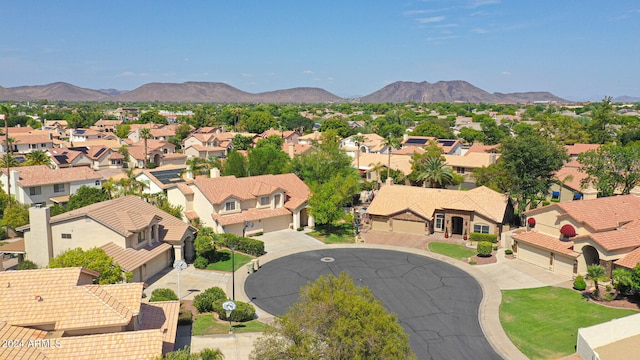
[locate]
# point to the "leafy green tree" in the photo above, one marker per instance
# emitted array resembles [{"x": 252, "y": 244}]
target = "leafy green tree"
[
  {"x": 601, "y": 118},
  {"x": 163, "y": 294},
  {"x": 123, "y": 130},
  {"x": 241, "y": 142},
  {"x": 334, "y": 319},
  {"x": 531, "y": 162},
  {"x": 236, "y": 164},
  {"x": 15, "y": 215},
  {"x": 186, "y": 354},
  {"x": 493, "y": 133},
  {"x": 427, "y": 128},
  {"x": 267, "y": 159},
  {"x": 612, "y": 168},
  {"x": 339, "y": 125},
  {"x": 293, "y": 121},
  {"x": 259, "y": 122},
  {"x": 494, "y": 176},
  {"x": 27, "y": 265},
  {"x": 623, "y": 279},
  {"x": 152, "y": 117},
  {"x": 86, "y": 195},
  {"x": 95, "y": 259},
  {"x": 561, "y": 128},
  {"x": 471, "y": 135},
  {"x": 37, "y": 157},
  {"x": 327, "y": 200},
  {"x": 205, "y": 247}
]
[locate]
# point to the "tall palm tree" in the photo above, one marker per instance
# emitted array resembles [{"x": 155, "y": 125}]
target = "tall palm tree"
[
  {"x": 359, "y": 139},
  {"x": 236, "y": 112},
  {"x": 4, "y": 110},
  {"x": 390, "y": 142},
  {"x": 436, "y": 173},
  {"x": 377, "y": 167},
  {"x": 145, "y": 133},
  {"x": 38, "y": 157}
]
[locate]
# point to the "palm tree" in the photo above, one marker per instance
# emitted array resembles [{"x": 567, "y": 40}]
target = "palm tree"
[
  {"x": 236, "y": 112},
  {"x": 130, "y": 185},
  {"x": 436, "y": 173},
  {"x": 359, "y": 139},
  {"x": 38, "y": 157},
  {"x": 196, "y": 166},
  {"x": 596, "y": 273},
  {"x": 391, "y": 143},
  {"x": 377, "y": 167},
  {"x": 145, "y": 133},
  {"x": 8, "y": 161},
  {"x": 4, "y": 110}
]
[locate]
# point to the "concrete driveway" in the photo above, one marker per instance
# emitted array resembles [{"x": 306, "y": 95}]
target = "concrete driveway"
[{"x": 192, "y": 281}]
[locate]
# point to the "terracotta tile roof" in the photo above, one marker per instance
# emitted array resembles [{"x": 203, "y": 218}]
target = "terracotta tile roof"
[
  {"x": 577, "y": 149},
  {"x": 162, "y": 315},
  {"x": 153, "y": 144},
  {"x": 473, "y": 160},
  {"x": 144, "y": 344},
  {"x": 217, "y": 190},
  {"x": 572, "y": 177},
  {"x": 13, "y": 247},
  {"x": 630, "y": 260},
  {"x": 546, "y": 242},
  {"x": 44, "y": 175},
  {"x": 104, "y": 122},
  {"x": 191, "y": 215},
  {"x": 600, "y": 214},
  {"x": 116, "y": 156},
  {"x": 173, "y": 156},
  {"x": 409, "y": 150},
  {"x": 130, "y": 259},
  {"x": 424, "y": 201},
  {"x": 17, "y": 130},
  {"x": 162, "y": 132},
  {"x": 297, "y": 148},
  {"x": 21, "y": 335},
  {"x": 185, "y": 189},
  {"x": 615, "y": 239},
  {"x": 62, "y": 277},
  {"x": 250, "y": 215},
  {"x": 26, "y": 138},
  {"x": 207, "y": 148},
  {"x": 111, "y": 144},
  {"x": 63, "y": 156},
  {"x": 481, "y": 148},
  {"x": 398, "y": 162},
  {"x": 127, "y": 215}
]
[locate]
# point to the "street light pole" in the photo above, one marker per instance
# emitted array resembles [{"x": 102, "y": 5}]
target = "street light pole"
[{"x": 233, "y": 274}]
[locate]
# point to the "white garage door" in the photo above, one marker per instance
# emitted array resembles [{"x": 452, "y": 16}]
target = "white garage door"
[
  {"x": 276, "y": 223},
  {"x": 563, "y": 265},
  {"x": 409, "y": 227},
  {"x": 533, "y": 255},
  {"x": 158, "y": 264},
  {"x": 381, "y": 225}
]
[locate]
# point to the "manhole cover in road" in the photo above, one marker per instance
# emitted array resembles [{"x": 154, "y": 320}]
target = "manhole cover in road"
[{"x": 327, "y": 259}]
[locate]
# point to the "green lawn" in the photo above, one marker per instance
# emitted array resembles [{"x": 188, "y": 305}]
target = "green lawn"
[
  {"x": 206, "y": 324},
  {"x": 223, "y": 262},
  {"x": 451, "y": 250},
  {"x": 340, "y": 234},
  {"x": 543, "y": 322}
]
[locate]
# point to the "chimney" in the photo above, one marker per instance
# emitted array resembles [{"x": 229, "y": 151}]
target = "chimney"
[
  {"x": 405, "y": 137},
  {"x": 589, "y": 193},
  {"x": 214, "y": 173},
  {"x": 292, "y": 150},
  {"x": 38, "y": 240},
  {"x": 389, "y": 181},
  {"x": 223, "y": 128},
  {"x": 50, "y": 135}
]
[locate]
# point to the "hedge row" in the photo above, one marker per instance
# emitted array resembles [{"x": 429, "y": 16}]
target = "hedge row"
[
  {"x": 246, "y": 245},
  {"x": 243, "y": 311},
  {"x": 484, "y": 248},
  {"x": 493, "y": 238}
]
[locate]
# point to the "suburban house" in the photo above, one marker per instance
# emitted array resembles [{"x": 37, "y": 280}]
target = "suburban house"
[
  {"x": 423, "y": 211},
  {"x": 158, "y": 152},
  {"x": 576, "y": 149},
  {"x": 108, "y": 125},
  {"x": 309, "y": 139},
  {"x": 81, "y": 135},
  {"x": 207, "y": 145},
  {"x": 24, "y": 143},
  {"x": 245, "y": 205},
  {"x": 161, "y": 178},
  {"x": 42, "y": 185},
  {"x": 449, "y": 147},
  {"x": 140, "y": 237},
  {"x": 372, "y": 143},
  {"x": 62, "y": 314},
  {"x": 66, "y": 158},
  {"x": 566, "y": 237},
  {"x": 289, "y": 136},
  {"x": 569, "y": 185}
]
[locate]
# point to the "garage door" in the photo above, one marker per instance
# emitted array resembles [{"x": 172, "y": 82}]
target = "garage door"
[
  {"x": 381, "y": 225},
  {"x": 409, "y": 227},
  {"x": 276, "y": 223},
  {"x": 563, "y": 265},
  {"x": 158, "y": 264},
  {"x": 533, "y": 255}
]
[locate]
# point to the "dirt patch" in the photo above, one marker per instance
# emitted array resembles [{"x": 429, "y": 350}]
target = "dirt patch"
[
  {"x": 482, "y": 260},
  {"x": 188, "y": 305},
  {"x": 622, "y": 302}
]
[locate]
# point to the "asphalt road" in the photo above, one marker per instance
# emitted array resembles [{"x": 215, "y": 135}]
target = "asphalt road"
[{"x": 436, "y": 303}]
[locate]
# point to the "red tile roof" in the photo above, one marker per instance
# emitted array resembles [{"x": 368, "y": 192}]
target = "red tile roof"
[
  {"x": 630, "y": 260},
  {"x": 44, "y": 175},
  {"x": 615, "y": 239},
  {"x": 546, "y": 242}
]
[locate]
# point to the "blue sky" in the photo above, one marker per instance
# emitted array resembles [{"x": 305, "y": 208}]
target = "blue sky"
[{"x": 575, "y": 49}]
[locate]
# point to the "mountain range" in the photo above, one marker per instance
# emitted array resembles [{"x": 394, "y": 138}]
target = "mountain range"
[{"x": 216, "y": 92}]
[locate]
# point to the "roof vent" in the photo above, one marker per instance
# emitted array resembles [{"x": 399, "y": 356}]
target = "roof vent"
[{"x": 38, "y": 298}]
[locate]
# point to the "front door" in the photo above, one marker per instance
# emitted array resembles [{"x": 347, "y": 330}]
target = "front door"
[{"x": 456, "y": 225}]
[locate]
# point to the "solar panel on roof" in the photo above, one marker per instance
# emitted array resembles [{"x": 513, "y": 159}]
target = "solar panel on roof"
[
  {"x": 446, "y": 142},
  {"x": 100, "y": 151},
  {"x": 78, "y": 131},
  {"x": 62, "y": 159},
  {"x": 82, "y": 149},
  {"x": 168, "y": 176},
  {"x": 416, "y": 141}
]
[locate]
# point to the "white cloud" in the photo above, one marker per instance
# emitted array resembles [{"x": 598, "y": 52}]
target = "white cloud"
[
  {"x": 479, "y": 31},
  {"x": 127, "y": 74},
  {"x": 506, "y": 73},
  {"x": 330, "y": 78},
  {"x": 430, "y": 20},
  {"x": 247, "y": 75},
  {"x": 186, "y": 59},
  {"x": 309, "y": 72},
  {"x": 478, "y": 3}
]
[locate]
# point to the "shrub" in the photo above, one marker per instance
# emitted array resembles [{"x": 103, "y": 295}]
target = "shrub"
[
  {"x": 144, "y": 295},
  {"x": 493, "y": 238},
  {"x": 300, "y": 229},
  {"x": 3, "y": 233},
  {"x": 259, "y": 233},
  {"x": 204, "y": 302},
  {"x": 545, "y": 202},
  {"x": 200, "y": 262},
  {"x": 243, "y": 311},
  {"x": 579, "y": 283},
  {"x": 163, "y": 294},
  {"x": 185, "y": 317},
  {"x": 484, "y": 248},
  {"x": 608, "y": 287},
  {"x": 495, "y": 247},
  {"x": 606, "y": 297},
  {"x": 472, "y": 262},
  {"x": 248, "y": 246},
  {"x": 508, "y": 252},
  {"x": 27, "y": 265}
]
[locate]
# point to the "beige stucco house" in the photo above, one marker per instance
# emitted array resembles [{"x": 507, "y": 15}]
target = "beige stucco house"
[
  {"x": 140, "y": 237},
  {"x": 40, "y": 184},
  {"x": 62, "y": 314},
  {"x": 422, "y": 211},
  {"x": 245, "y": 205},
  {"x": 566, "y": 237}
]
